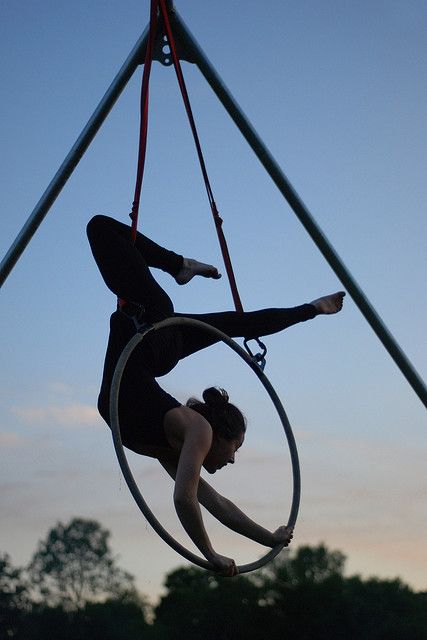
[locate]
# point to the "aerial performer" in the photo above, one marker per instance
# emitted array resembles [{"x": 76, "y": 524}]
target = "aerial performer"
[{"x": 184, "y": 438}]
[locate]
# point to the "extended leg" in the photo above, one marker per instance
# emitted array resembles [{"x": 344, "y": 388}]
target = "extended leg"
[
  {"x": 254, "y": 324},
  {"x": 249, "y": 324}
]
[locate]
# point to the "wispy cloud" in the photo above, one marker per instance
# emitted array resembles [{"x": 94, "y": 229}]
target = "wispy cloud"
[
  {"x": 60, "y": 388},
  {"x": 76, "y": 414},
  {"x": 10, "y": 440}
]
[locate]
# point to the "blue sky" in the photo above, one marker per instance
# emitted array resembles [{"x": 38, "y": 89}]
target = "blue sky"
[{"x": 337, "y": 90}]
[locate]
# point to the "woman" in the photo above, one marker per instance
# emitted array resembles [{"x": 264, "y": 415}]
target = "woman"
[{"x": 152, "y": 422}]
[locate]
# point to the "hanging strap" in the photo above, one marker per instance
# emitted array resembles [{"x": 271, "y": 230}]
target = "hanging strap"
[
  {"x": 155, "y": 6},
  {"x": 217, "y": 219},
  {"x": 143, "y": 127}
]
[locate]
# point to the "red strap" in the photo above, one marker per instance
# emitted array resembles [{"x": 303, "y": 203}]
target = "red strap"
[
  {"x": 215, "y": 214},
  {"x": 155, "y": 4},
  {"x": 143, "y": 127},
  {"x": 144, "y": 115}
]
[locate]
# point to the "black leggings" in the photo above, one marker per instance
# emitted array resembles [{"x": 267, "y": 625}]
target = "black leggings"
[{"x": 125, "y": 269}]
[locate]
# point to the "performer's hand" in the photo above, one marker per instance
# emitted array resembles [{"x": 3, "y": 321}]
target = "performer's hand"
[
  {"x": 283, "y": 535},
  {"x": 223, "y": 565}
]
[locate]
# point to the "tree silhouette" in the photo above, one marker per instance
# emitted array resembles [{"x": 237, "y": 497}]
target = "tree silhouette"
[
  {"x": 114, "y": 620},
  {"x": 306, "y": 565},
  {"x": 307, "y": 595},
  {"x": 384, "y": 609},
  {"x": 74, "y": 565},
  {"x": 303, "y": 594},
  {"x": 14, "y": 600},
  {"x": 203, "y": 605}
]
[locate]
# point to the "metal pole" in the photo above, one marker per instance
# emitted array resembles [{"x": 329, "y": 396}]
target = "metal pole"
[
  {"x": 188, "y": 42},
  {"x": 66, "y": 169}
]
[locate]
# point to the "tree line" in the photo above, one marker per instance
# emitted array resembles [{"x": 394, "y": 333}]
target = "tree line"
[{"x": 73, "y": 589}]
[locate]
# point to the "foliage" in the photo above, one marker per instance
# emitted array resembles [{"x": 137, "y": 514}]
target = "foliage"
[
  {"x": 114, "y": 620},
  {"x": 198, "y": 604},
  {"x": 384, "y": 609},
  {"x": 304, "y": 594},
  {"x": 306, "y": 566},
  {"x": 14, "y": 600},
  {"x": 307, "y": 594},
  {"x": 74, "y": 565},
  {"x": 109, "y": 620}
]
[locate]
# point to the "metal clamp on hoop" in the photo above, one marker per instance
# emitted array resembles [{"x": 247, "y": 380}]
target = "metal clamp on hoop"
[
  {"x": 258, "y": 358},
  {"x": 135, "y": 312}
]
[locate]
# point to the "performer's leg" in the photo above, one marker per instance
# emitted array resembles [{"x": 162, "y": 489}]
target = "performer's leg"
[
  {"x": 124, "y": 266},
  {"x": 249, "y": 324}
]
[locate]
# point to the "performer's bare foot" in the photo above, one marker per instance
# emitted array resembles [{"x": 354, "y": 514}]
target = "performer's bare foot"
[
  {"x": 329, "y": 304},
  {"x": 191, "y": 268}
]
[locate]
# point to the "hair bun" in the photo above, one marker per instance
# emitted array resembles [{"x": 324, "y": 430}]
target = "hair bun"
[{"x": 215, "y": 397}]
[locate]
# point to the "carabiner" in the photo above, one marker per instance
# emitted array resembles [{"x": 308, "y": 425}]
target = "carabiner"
[{"x": 258, "y": 358}]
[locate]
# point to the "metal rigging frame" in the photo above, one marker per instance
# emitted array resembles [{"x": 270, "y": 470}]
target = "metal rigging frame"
[{"x": 189, "y": 50}]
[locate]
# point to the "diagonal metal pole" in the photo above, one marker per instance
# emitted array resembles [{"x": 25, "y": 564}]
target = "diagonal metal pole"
[
  {"x": 195, "y": 53},
  {"x": 92, "y": 127}
]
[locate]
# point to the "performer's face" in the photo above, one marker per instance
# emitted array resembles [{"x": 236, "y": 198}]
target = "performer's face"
[{"x": 222, "y": 452}]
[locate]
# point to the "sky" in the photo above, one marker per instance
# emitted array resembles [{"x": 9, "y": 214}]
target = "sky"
[{"x": 337, "y": 91}]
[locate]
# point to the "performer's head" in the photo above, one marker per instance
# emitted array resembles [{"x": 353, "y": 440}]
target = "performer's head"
[{"x": 228, "y": 426}]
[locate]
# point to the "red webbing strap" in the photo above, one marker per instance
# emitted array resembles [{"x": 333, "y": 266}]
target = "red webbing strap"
[
  {"x": 216, "y": 216},
  {"x": 143, "y": 126},
  {"x": 144, "y": 115}
]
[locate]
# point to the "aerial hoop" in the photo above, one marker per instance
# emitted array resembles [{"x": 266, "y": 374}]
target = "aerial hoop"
[{"x": 115, "y": 427}]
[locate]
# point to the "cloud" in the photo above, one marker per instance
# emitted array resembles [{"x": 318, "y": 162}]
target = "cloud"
[
  {"x": 60, "y": 388},
  {"x": 66, "y": 415},
  {"x": 10, "y": 440}
]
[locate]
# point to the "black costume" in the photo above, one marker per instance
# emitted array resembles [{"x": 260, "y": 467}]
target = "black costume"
[{"x": 125, "y": 269}]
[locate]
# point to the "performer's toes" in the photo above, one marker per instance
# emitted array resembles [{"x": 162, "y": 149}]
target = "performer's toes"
[{"x": 330, "y": 304}]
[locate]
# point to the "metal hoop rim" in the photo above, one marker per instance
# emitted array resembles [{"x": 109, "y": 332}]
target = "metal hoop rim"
[{"x": 127, "y": 473}]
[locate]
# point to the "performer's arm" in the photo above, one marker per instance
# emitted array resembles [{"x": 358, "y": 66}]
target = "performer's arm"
[
  {"x": 231, "y": 516},
  {"x": 187, "y": 476}
]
